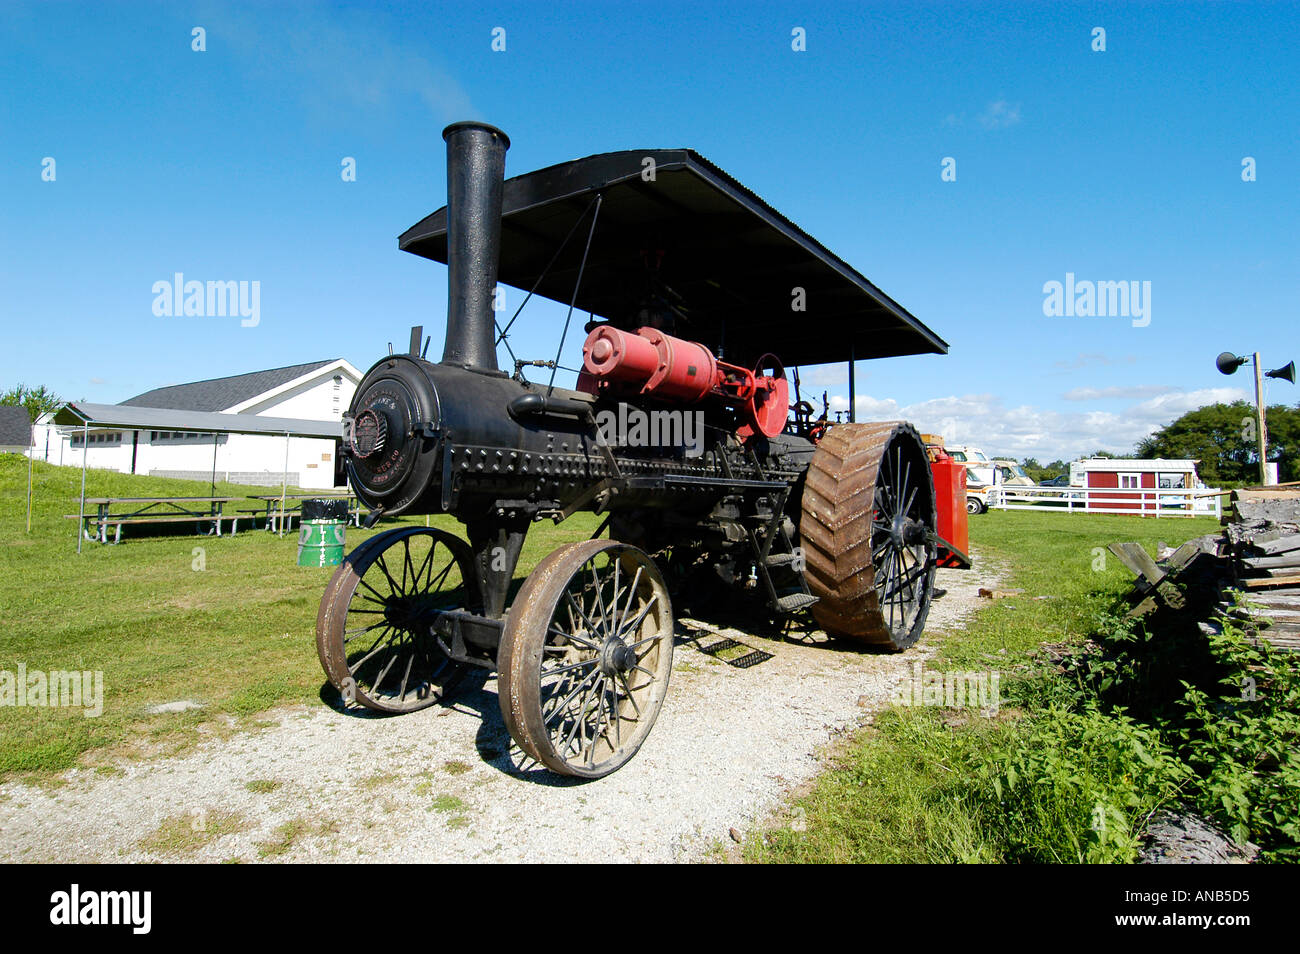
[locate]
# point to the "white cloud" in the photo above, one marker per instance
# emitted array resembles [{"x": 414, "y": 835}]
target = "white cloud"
[
  {"x": 1087, "y": 359},
  {"x": 343, "y": 61},
  {"x": 1137, "y": 391},
  {"x": 1000, "y": 114},
  {"x": 1027, "y": 431}
]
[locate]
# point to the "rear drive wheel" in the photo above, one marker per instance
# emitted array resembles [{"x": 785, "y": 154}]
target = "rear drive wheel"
[{"x": 868, "y": 533}]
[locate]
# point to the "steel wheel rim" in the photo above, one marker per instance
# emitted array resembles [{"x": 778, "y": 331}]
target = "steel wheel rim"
[
  {"x": 586, "y": 658},
  {"x": 903, "y": 551},
  {"x": 375, "y": 638}
]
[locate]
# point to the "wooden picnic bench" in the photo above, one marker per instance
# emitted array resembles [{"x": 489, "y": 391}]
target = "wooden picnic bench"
[
  {"x": 273, "y": 515},
  {"x": 145, "y": 510}
]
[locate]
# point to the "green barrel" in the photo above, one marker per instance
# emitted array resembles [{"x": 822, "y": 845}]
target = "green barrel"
[{"x": 323, "y": 532}]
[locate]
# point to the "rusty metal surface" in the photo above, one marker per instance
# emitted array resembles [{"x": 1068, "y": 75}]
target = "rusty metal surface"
[{"x": 839, "y": 500}]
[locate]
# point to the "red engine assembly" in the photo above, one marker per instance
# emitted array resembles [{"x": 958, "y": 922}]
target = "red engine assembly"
[
  {"x": 950, "y": 510},
  {"x": 654, "y": 364}
]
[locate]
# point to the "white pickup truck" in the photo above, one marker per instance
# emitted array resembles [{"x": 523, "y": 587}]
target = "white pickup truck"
[{"x": 983, "y": 472}]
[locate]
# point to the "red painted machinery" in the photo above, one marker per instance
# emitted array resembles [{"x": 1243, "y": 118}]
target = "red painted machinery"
[
  {"x": 950, "y": 508},
  {"x": 653, "y": 364}
]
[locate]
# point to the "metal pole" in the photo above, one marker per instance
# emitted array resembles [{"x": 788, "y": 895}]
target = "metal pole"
[
  {"x": 1262, "y": 434},
  {"x": 214, "y": 463},
  {"x": 853, "y": 390},
  {"x": 81, "y": 511},
  {"x": 31, "y": 456},
  {"x": 284, "y": 487}
]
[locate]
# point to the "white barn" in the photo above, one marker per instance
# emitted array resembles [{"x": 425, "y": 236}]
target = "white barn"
[{"x": 317, "y": 391}]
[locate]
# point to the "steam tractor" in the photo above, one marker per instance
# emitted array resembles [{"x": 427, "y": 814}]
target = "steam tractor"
[{"x": 697, "y": 295}]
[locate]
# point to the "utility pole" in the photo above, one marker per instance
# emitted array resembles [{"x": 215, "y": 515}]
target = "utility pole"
[
  {"x": 1228, "y": 363},
  {"x": 1261, "y": 433}
]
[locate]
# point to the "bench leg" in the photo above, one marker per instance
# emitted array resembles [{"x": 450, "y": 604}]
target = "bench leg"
[{"x": 117, "y": 536}]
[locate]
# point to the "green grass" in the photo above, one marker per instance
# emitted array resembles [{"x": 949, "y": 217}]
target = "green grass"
[
  {"x": 284, "y": 837},
  {"x": 1062, "y": 558},
  {"x": 184, "y": 834},
  {"x": 237, "y": 637},
  {"x": 1032, "y": 783}
]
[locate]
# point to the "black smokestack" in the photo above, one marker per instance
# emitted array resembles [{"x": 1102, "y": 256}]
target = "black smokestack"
[{"x": 476, "y": 164}]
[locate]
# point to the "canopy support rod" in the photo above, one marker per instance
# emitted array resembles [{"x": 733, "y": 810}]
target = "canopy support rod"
[
  {"x": 81, "y": 511},
  {"x": 582, "y": 267},
  {"x": 573, "y": 228},
  {"x": 853, "y": 390},
  {"x": 284, "y": 486},
  {"x": 31, "y": 456},
  {"x": 214, "y": 463}
]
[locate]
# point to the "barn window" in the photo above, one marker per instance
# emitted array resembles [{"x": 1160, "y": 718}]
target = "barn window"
[{"x": 1130, "y": 481}]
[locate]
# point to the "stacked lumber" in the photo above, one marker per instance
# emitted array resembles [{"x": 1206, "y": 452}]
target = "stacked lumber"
[
  {"x": 1168, "y": 583},
  {"x": 1251, "y": 572},
  {"x": 1265, "y": 535}
]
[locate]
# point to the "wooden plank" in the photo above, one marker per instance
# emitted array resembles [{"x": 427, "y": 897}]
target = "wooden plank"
[
  {"x": 1278, "y": 599},
  {"x": 1133, "y": 556},
  {"x": 1273, "y": 581},
  {"x": 1283, "y": 544},
  {"x": 1188, "y": 552},
  {"x": 1270, "y": 562}
]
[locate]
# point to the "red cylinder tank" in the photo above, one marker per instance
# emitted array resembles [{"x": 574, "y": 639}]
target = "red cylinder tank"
[{"x": 950, "y": 510}]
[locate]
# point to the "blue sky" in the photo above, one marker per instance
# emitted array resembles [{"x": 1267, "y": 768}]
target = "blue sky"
[{"x": 1122, "y": 165}]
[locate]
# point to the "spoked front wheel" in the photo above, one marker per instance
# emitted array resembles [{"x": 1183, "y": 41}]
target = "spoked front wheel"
[
  {"x": 374, "y": 631},
  {"x": 585, "y": 657}
]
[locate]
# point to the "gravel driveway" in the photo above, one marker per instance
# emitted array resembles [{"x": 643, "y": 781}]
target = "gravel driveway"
[{"x": 442, "y": 784}]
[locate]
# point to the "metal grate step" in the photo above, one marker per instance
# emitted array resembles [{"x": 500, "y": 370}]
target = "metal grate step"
[{"x": 795, "y": 602}]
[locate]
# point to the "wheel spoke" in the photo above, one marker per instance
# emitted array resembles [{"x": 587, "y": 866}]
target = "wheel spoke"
[
  {"x": 397, "y": 591},
  {"x": 569, "y": 698},
  {"x": 580, "y": 640},
  {"x": 406, "y": 562},
  {"x": 631, "y": 696},
  {"x": 591, "y": 627},
  {"x": 406, "y": 676},
  {"x": 599, "y": 601},
  {"x": 631, "y": 595},
  {"x": 548, "y": 673},
  {"x": 351, "y": 634},
  {"x": 640, "y": 618},
  {"x": 404, "y": 666},
  {"x": 386, "y": 639},
  {"x": 384, "y": 672}
]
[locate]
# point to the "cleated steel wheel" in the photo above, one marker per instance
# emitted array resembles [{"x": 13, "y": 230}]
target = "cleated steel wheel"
[
  {"x": 868, "y": 533},
  {"x": 373, "y": 632},
  {"x": 585, "y": 658}
]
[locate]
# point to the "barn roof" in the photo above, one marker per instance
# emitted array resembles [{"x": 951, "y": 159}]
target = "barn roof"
[
  {"x": 218, "y": 394},
  {"x": 78, "y": 413},
  {"x": 15, "y": 426},
  {"x": 732, "y": 259}
]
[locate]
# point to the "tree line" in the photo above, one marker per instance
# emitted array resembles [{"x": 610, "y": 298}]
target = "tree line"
[{"x": 1220, "y": 436}]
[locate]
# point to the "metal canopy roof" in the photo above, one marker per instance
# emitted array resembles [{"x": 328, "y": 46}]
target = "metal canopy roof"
[
  {"x": 77, "y": 413},
  {"x": 730, "y": 256}
]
